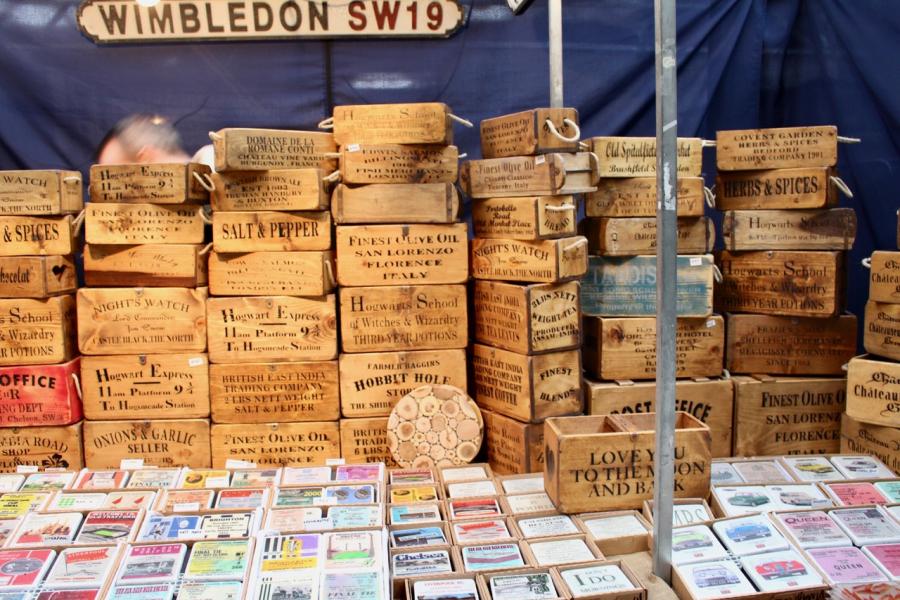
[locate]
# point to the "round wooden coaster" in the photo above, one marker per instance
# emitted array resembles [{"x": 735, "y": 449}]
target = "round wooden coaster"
[{"x": 435, "y": 425}]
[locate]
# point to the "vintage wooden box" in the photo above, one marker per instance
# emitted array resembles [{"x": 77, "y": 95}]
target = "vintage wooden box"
[
  {"x": 126, "y": 224},
  {"x": 825, "y": 229},
  {"x": 545, "y": 261},
  {"x": 884, "y": 278},
  {"x": 807, "y": 187},
  {"x": 527, "y": 132},
  {"x": 413, "y": 123},
  {"x": 271, "y": 273},
  {"x": 636, "y": 156},
  {"x": 160, "y": 443},
  {"x": 787, "y": 415},
  {"x": 399, "y": 164},
  {"x": 395, "y": 203},
  {"x": 35, "y": 193},
  {"x": 882, "y": 329},
  {"x": 709, "y": 400},
  {"x": 279, "y": 189},
  {"x": 631, "y": 236},
  {"x": 873, "y": 391},
  {"x": 865, "y": 438},
  {"x": 145, "y": 265},
  {"x": 605, "y": 462},
  {"x": 37, "y": 332},
  {"x": 158, "y": 183},
  {"x": 789, "y": 345},
  {"x": 543, "y": 175},
  {"x": 243, "y": 149},
  {"x": 513, "y": 447},
  {"x": 276, "y": 444},
  {"x": 525, "y": 218},
  {"x": 636, "y": 197},
  {"x": 528, "y": 319},
  {"x": 36, "y": 276},
  {"x": 40, "y": 395},
  {"x": 145, "y": 386},
  {"x": 25, "y": 236},
  {"x": 45, "y": 447},
  {"x": 626, "y": 287},
  {"x": 139, "y": 320},
  {"x": 365, "y": 441},
  {"x": 261, "y": 231},
  {"x": 777, "y": 148},
  {"x": 274, "y": 392},
  {"x": 528, "y": 388}
]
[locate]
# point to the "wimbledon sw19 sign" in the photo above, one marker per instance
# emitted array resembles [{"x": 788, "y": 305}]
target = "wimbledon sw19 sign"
[{"x": 127, "y": 21}]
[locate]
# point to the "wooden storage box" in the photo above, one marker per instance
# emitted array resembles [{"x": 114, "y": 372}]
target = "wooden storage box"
[
  {"x": 401, "y": 203},
  {"x": 243, "y": 149},
  {"x": 636, "y": 156},
  {"x": 789, "y": 345},
  {"x": 138, "y": 320},
  {"x": 528, "y": 388},
  {"x": 36, "y": 276},
  {"x": 709, "y": 400},
  {"x": 639, "y": 593},
  {"x": 787, "y": 415},
  {"x": 827, "y": 229},
  {"x": 605, "y": 462},
  {"x": 271, "y": 274},
  {"x": 776, "y": 148},
  {"x": 873, "y": 391},
  {"x": 545, "y": 261},
  {"x": 402, "y": 254},
  {"x": 160, "y": 443},
  {"x": 882, "y": 329},
  {"x": 631, "y": 236},
  {"x": 274, "y": 392},
  {"x": 373, "y": 382},
  {"x": 261, "y": 231},
  {"x": 365, "y": 441},
  {"x": 412, "y": 123},
  {"x": 528, "y": 319},
  {"x": 37, "y": 332},
  {"x": 625, "y": 348},
  {"x": 145, "y": 265},
  {"x": 636, "y": 197},
  {"x": 154, "y": 386},
  {"x": 159, "y": 183},
  {"x": 128, "y": 224},
  {"x": 279, "y": 189},
  {"x": 276, "y": 444},
  {"x": 544, "y": 175},
  {"x": 25, "y": 236},
  {"x": 272, "y": 328},
  {"x": 44, "y": 395},
  {"x": 876, "y": 440},
  {"x": 622, "y": 544},
  {"x": 45, "y": 447},
  {"x": 884, "y": 278},
  {"x": 525, "y": 218},
  {"x": 399, "y": 164},
  {"x": 626, "y": 287},
  {"x": 47, "y": 192},
  {"x": 513, "y": 447},
  {"x": 808, "y": 187},
  {"x": 527, "y": 132}
]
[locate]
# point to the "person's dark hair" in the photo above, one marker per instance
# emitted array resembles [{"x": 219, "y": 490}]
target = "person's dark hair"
[{"x": 139, "y": 130}]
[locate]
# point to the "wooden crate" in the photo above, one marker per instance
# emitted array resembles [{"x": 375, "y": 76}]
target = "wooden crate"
[
  {"x": 808, "y": 187},
  {"x": 789, "y": 345},
  {"x": 270, "y": 231},
  {"x": 399, "y": 164},
  {"x": 37, "y": 332},
  {"x": 526, "y": 133},
  {"x": 637, "y": 197},
  {"x": 527, "y": 388},
  {"x": 626, "y": 287},
  {"x": 636, "y": 156},
  {"x": 372, "y": 383},
  {"x": 145, "y": 265},
  {"x": 402, "y": 203},
  {"x": 884, "y": 278},
  {"x": 276, "y": 444},
  {"x": 409, "y": 317},
  {"x": 159, "y": 183},
  {"x": 243, "y": 149},
  {"x": 46, "y": 447},
  {"x": 824, "y": 229},
  {"x": 525, "y": 218},
  {"x": 154, "y": 386},
  {"x": 787, "y": 415},
  {"x": 414, "y": 123},
  {"x": 40, "y": 395},
  {"x": 274, "y": 392},
  {"x": 160, "y": 443},
  {"x": 272, "y": 329},
  {"x": 605, "y": 462},
  {"x": 782, "y": 282},
  {"x": 365, "y": 441},
  {"x": 864, "y": 438},
  {"x": 625, "y": 348},
  {"x": 36, "y": 276},
  {"x": 35, "y": 193},
  {"x": 513, "y": 447},
  {"x": 271, "y": 274},
  {"x": 882, "y": 330},
  {"x": 777, "y": 148},
  {"x": 127, "y": 224},
  {"x": 24, "y": 236},
  {"x": 528, "y": 319},
  {"x": 139, "y": 320},
  {"x": 631, "y": 236},
  {"x": 280, "y": 189},
  {"x": 873, "y": 391},
  {"x": 709, "y": 400},
  {"x": 543, "y": 175},
  {"x": 544, "y": 261},
  {"x": 373, "y": 255}
]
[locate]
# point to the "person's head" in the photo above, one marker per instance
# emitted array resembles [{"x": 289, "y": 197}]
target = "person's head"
[{"x": 141, "y": 138}]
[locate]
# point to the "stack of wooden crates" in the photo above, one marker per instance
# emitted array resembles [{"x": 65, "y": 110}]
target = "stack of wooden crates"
[
  {"x": 783, "y": 287},
  {"x": 526, "y": 261},
  {"x": 144, "y": 372},
  {"x": 620, "y": 292},
  {"x": 402, "y": 265},
  {"x": 272, "y": 314},
  {"x": 41, "y": 410},
  {"x": 871, "y": 424}
]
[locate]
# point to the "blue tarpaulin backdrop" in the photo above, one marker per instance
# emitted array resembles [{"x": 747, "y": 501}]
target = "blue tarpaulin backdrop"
[{"x": 742, "y": 64}]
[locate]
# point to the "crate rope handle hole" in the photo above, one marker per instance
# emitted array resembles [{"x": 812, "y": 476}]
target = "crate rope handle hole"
[{"x": 568, "y": 122}]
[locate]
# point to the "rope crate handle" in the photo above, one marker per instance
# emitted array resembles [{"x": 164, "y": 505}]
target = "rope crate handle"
[
  {"x": 710, "y": 197},
  {"x": 72, "y": 179},
  {"x": 841, "y": 185},
  {"x": 78, "y": 221},
  {"x": 461, "y": 121},
  {"x": 333, "y": 177},
  {"x": 205, "y": 181},
  {"x": 575, "y": 244},
  {"x": 560, "y": 208},
  {"x": 214, "y": 136},
  {"x": 570, "y": 123}
]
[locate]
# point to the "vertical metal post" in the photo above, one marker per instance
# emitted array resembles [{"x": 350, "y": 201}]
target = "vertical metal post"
[
  {"x": 666, "y": 265},
  {"x": 554, "y": 16}
]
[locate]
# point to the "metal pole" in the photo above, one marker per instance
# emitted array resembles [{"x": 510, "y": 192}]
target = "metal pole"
[
  {"x": 554, "y": 16},
  {"x": 666, "y": 266}
]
